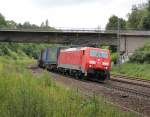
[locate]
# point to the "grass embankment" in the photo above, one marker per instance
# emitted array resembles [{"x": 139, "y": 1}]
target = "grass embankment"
[
  {"x": 23, "y": 94},
  {"x": 133, "y": 69}
]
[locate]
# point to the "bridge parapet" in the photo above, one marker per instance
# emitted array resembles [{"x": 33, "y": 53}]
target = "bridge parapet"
[{"x": 80, "y": 30}]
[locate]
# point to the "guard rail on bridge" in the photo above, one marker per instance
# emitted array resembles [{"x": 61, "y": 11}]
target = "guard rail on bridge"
[{"x": 80, "y": 30}]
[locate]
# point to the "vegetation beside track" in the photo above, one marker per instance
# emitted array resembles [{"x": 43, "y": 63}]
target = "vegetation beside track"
[
  {"x": 23, "y": 93},
  {"x": 132, "y": 69},
  {"x": 138, "y": 66},
  {"x": 22, "y": 50}
]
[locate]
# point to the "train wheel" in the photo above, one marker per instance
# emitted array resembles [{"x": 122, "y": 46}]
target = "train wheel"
[
  {"x": 76, "y": 75},
  {"x": 100, "y": 75},
  {"x": 80, "y": 76}
]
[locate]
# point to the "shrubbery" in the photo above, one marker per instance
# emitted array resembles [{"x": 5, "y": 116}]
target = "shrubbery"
[
  {"x": 130, "y": 69},
  {"x": 20, "y": 50},
  {"x": 135, "y": 66},
  {"x": 141, "y": 55},
  {"x": 114, "y": 57}
]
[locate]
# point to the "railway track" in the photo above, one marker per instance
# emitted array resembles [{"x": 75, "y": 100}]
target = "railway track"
[
  {"x": 123, "y": 80},
  {"x": 131, "y": 100},
  {"x": 109, "y": 85},
  {"x": 131, "y": 80},
  {"x": 135, "y": 92},
  {"x": 118, "y": 88},
  {"x": 129, "y": 90}
]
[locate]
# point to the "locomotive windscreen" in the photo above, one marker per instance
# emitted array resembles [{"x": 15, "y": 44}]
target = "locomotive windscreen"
[{"x": 97, "y": 53}]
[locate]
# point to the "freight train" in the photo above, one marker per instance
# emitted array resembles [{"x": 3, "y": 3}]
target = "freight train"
[{"x": 80, "y": 62}]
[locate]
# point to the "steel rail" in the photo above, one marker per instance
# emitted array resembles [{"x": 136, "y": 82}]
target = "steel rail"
[
  {"x": 131, "y": 80},
  {"x": 130, "y": 77},
  {"x": 116, "y": 87},
  {"x": 128, "y": 90}
]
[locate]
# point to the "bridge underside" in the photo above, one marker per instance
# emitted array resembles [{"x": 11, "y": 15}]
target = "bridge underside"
[
  {"x": 58, "y": 38},
  {"x": 128, "y": 42}
]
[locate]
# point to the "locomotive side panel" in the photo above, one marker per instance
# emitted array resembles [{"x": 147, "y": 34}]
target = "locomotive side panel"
[{"x": 70, "y": 60}]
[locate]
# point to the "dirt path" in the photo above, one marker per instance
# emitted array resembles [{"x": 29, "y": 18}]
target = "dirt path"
[{"x": 121, "y": 99}]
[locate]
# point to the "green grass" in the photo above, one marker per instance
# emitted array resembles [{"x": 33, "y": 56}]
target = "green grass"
[
  {"x": 20, "y": 62},
  {"x": 23, "y": 94},
  {"x": 133, "y": 69}
]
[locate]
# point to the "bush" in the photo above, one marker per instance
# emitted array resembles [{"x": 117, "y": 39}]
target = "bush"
[
  {"x": 20, "y": 50},
  {"x": 141, "y": 55},
  {"x": 114, "y": 57},
  {"x": 132, "y": 69}
]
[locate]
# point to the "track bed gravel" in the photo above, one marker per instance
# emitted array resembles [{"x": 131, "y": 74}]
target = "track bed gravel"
[{"x": 124, "y": 100}]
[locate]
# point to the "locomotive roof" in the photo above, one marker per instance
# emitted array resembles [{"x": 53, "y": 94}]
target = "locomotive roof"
[{"x": 81, "y": 48}]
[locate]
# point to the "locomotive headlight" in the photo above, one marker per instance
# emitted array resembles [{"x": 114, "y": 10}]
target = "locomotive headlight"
[
  {"x": 92, "y": 62},
  {"x": 105, "y": 63},
  {"x": 106, "y": 68}
]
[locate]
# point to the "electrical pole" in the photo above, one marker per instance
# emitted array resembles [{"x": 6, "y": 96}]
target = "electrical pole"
[
  {"x": 99, "y": 30},
  {"x": 118, "y": 41}
]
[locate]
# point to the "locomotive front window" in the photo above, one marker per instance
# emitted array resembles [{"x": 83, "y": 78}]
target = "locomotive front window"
[
  {"x": 95, "y": 53},
  {"x": 104, "y": 55}
]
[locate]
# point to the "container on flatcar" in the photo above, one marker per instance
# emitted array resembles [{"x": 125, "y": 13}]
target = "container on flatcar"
[
  {"x": 42, "y": 57},
  {"x": 49, "y": 57}
]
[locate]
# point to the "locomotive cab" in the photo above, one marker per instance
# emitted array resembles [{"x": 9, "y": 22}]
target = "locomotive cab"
[{"x": 98, "y": 63}]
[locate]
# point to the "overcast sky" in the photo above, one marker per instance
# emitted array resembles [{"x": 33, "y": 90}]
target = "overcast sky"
[{"x": 66, "y": 13}]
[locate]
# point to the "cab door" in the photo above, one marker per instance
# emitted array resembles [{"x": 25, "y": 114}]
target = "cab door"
[{"x": 83, "y": 63}]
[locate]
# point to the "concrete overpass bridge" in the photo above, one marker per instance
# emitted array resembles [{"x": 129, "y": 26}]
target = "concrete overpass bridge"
[{"x": 129, "y": 39}]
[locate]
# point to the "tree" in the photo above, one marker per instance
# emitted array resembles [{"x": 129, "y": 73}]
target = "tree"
[
  {"x": 27, "y": 25},
  {"x": 148, "y": 7},
  {"x": 19, "y": 25},
  {"x": 2, "y": 21},
  {"x": 113, "y": 23},
  {"x": 11, "y": 24},
  {"x": 35, "y": 26},
  {"x": 42, "y": 25},
  {"x": 146, "y": 22},
  {"x": 136, "y": 17},
  {"x": 47, "y": 23},
  {"x": 146, "y": 19},
  {"x": 133, "y": 18}
]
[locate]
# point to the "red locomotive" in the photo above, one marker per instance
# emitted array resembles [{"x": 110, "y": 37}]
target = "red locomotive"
[{"x": 83, "y": 61}]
